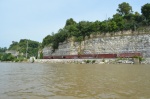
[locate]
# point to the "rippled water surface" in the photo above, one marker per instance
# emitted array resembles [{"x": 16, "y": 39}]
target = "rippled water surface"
[{"x": 74, "y": 81}]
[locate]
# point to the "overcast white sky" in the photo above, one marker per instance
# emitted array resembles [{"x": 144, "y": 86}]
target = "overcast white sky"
[{"x": 35, "y": 19}]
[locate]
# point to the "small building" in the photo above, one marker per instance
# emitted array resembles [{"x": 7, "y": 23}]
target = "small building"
[{"x": 13, "y": 52}]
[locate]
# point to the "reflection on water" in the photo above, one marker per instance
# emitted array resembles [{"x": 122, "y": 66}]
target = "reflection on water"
[{"x": 73, "y": 81}]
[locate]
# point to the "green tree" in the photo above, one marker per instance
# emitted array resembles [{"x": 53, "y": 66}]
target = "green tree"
[
  {"x": 7, "y": 57},
  {"x": 146, "y": 11},
  {"x": 70, "y": 22},
  {"x": 84, "y": 28},
  {"x": 95, "y": 26},
  {"x": 72, "y": 30},
  {"x": 61, "y": 35},
  {"x": 41, "y": 55},
  {"x": 124, "y": 9},
  {"x": 104, "y": 26},
  {"x": 112, "y": 26},
  {"x": 55, "y": 41},
  {"x": 138, "y": 18},
  {"x": 14, "y": 45},
  {"x": 2, "y": 50},
  {"x": 47, "y": 40},
  {"x": 119, "y": 21},
  {"x": 1, "y": 56},
  {"x": 79, "y": 39}
]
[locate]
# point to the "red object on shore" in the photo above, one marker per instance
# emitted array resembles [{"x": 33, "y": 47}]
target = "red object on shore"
[
  {"x": 129, "y": 55},
  {"x": 85, "y": 56},
  {"x": 107, "y": 56},
  {"x": 96, "y": 56},
  {"x": 47, "y": 57}
]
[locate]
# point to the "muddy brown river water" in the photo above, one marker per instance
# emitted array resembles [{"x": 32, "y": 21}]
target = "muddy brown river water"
[{"x": 74, "y": 81}]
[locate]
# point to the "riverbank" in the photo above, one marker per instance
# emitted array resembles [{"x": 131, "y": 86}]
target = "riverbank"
[
  {"x": 64, "y": 61},
  {"x": 84, "y": 61},
  {"x": 92, "y": 61}
]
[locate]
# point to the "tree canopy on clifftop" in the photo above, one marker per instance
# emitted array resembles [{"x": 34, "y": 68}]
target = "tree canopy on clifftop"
[{"x": 124, "y": 19}]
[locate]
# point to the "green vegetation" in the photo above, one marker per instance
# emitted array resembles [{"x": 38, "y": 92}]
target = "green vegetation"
[
  {"x": 41, "y": 55},
  {"x": 7, "y": 57},
  {"x": 103, "y": 60},
  {"x": 124, "y": 19},
  {"x": 139, "y": 58},
  {"x": 89, "y": 61},
  {"x": 124, "y": 9},
  {"x": 21, "y": 47},
  {"x": 93, "y": 61},
  {"x": 4, "y": 56},
  {"x": 2, "y": 50},
  {"x": 10, "y": 57},
  {"x": 146, "y": 11}
]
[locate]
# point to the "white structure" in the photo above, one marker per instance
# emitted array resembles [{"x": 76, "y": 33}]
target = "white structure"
[{"x": 13, "y": 52}]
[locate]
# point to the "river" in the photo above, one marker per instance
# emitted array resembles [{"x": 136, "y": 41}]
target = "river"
[{"x": 74, "y": 81}]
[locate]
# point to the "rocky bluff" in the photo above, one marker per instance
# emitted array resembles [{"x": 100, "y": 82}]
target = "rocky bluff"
[{"x": 110, "y": 43}]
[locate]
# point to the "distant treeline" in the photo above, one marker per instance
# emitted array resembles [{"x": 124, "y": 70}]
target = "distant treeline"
[
  {"x": 124, "y": 19},
  {"x": 2, "y": 50},
  {"x": 23, "y": 46}
]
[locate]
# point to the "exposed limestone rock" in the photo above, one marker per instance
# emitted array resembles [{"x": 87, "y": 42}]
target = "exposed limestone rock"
[
  {"x": 126, "y": 42},
  {"x": 47, "y": 51}
]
